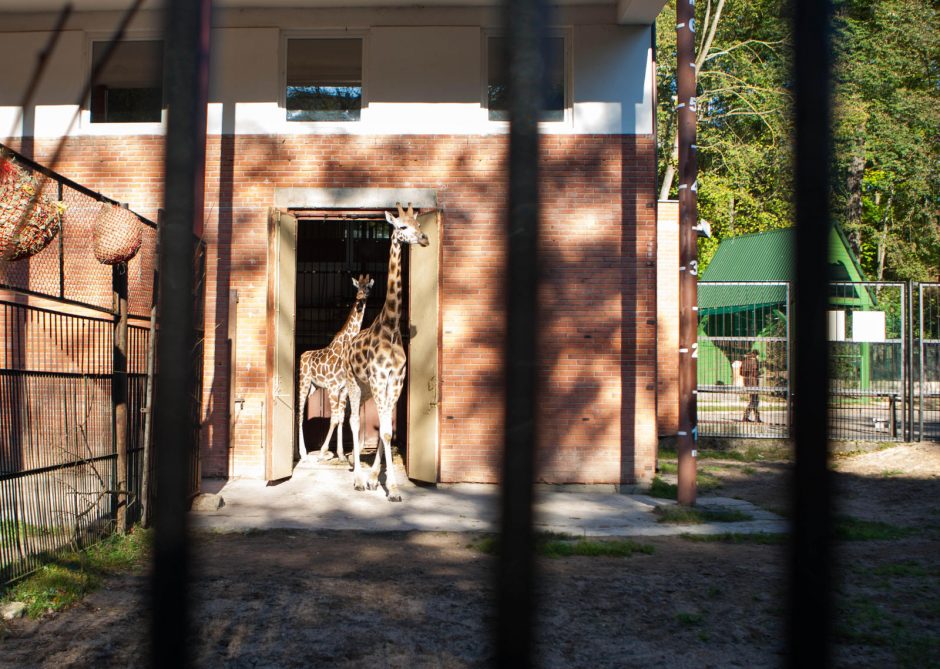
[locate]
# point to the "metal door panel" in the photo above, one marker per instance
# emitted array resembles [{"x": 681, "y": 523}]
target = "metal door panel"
[
  {"x": 423, "y": 373},
  {"x": 279, "y": 461}
]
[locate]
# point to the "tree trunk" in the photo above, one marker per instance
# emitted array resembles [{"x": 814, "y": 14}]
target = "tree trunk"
[
  {"x": 854, "y": 205},
  {"x": 670, "y": 174},
  {"x": 883, "y": 239}
]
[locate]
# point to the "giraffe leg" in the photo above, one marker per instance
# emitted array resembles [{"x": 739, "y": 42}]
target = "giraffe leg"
[
  {"x": 355, "y": 394},
  {"x": 334, "y": 409},
  {"x": 385, "y": 429},
  {"x": 341, "y": 417},
  {"x": 305, "y": 386},
  {"x": 376, "y": 468},
  {"x": 325, "y": 454},
  {"x": 385, "y": 432},
  {"x": 379, "y": 393}
]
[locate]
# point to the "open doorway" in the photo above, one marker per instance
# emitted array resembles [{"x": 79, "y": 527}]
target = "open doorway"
[
  {"x": 312, "y": 256},
  {"x": 333, "y": 247}
]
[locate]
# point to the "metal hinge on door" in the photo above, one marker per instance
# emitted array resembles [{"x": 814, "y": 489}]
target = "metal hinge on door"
[{"x": 432, "y": 388}]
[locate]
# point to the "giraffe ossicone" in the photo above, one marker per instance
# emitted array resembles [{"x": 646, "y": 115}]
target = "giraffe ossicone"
[
  {"x": 325, "y": 368},
  {"x": 376, "y": 359}
]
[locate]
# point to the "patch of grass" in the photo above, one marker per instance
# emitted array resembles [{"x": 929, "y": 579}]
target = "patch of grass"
[
  {"x": 905, "y": 568},
  {"x": 689, "y": 618},
  {"x": 555, "y": 545},
  {"x": 706, "y": 481},
  {"x": 668, "y": 453},
  {"x": 70, "y": 576},
  {"x": 697, "y": 515},
  {"x": 862, "y": 621},
  {"x": 594, "y": 548},
  {"x": 9, "y": 527},
  {"x": 769, "y": 538},
  {"x": 10, "y": 530},
  {"x": 751, "y": 453},
  {"x": 891, "y": 473},
  {"x": 663, "y": 490},
  {"x": 487, "y": 545},
  {"x": 668, "y": 467},
  {"x": 855, "y": 529}
]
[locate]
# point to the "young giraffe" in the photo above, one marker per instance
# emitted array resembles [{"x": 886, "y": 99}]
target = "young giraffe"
[
  {"x": 324, "y": 368},
  {"x": 376, "y": 363}
]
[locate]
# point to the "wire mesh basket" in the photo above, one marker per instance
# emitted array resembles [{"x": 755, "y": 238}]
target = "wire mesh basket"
[
  {"x": 29, "y": 220},
  {"x": 117, "y": 235}
]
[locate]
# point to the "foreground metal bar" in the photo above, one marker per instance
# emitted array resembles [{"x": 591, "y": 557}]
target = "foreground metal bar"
[
  {"x": 119, "y": 392},
  {"x": 525, "y": 23},
  {"x": 688, "y": 251},
  {"x": 187, "y": 45},
  {"x": 810, "y": 589}
]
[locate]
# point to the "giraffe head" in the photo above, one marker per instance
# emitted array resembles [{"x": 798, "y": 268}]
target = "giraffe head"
[
  {"x": 363, "y": 285},
  {"x": 407, "y": 227}
]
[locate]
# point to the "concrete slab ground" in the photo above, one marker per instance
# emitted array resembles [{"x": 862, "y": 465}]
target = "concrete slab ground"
[{"x": 320, "y": 496}]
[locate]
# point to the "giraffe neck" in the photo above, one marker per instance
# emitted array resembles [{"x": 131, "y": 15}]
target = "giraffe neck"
[
  {"x": 391, "y": 312},
  {"x": 352, "y": 325}
]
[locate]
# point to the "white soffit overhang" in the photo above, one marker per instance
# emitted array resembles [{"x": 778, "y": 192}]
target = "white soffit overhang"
[{"x": 628, "y": 11}]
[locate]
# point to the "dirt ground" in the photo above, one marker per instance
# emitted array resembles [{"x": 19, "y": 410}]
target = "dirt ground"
[{"x": 308, "y": 599}]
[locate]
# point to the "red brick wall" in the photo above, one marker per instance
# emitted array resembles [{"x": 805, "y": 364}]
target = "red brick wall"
[
  {"x": 598, "y": 409},
  {"x": 667, "y": 411}
]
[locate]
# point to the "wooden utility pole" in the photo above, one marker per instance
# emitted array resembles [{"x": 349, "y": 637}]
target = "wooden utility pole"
[{"x": 688, "y": 261}]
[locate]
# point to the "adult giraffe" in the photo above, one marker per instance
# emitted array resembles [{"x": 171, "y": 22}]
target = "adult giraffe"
[
  {"x": 325, "y": 368},
  {"x": 376, "y": 363}
]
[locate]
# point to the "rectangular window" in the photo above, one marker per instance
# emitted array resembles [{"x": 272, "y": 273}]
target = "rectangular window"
[
  {"x": 129, "y": 88},
  {"x": 497, "y": 79},
  {"x": 324, "y": 79}
]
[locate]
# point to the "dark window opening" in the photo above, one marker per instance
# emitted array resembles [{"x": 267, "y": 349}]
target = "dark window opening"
[
  {"x": 497, "y": 81},
  {"x": 129, "y": 88},
  {"x": 324, "y": 79}
]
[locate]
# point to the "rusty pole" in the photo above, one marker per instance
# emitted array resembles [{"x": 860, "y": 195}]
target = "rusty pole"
[
  {"x": 688, "y": 263},
  {"x": 119, "y": 391}
]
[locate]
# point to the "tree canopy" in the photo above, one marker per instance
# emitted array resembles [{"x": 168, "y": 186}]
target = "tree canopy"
[{"x": 886, "y": 125}]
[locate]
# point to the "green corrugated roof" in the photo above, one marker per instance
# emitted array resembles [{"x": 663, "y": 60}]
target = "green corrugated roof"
[
  {"x": 768, "y": 256},
  {"x": 765, "y": 256}
]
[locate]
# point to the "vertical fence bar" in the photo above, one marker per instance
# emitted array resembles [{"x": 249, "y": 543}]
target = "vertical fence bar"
[
  {"x": 688, "y": 263},
  {"x": 119, "y": 391},
  {"x": 789, "y": 355},
  {"x": 810, "y": 556},
  {"x": 186, "y": 76},
  {"x": 525, "y": 24},
  {"x": 921, "y": 361},
  {"x": 62, "y": 219},
  {"x": 908, "y": 336}
]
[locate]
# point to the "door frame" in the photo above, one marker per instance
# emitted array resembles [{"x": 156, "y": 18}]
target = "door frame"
[{"x": 277, "y": 451}]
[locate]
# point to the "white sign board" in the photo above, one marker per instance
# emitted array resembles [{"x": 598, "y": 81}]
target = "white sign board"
[{"x": 868, "y": 326}]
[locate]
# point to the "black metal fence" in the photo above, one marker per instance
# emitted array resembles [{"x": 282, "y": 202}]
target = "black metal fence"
[
  {"x": 58, "y": 465},
  {"x": 736, "y": 318},
  {"x": 927, "y": 355},
  {"x": 884, "y": 383},
  {"x": 59, "y": 480},
  {"x": 66, "y": 269}
]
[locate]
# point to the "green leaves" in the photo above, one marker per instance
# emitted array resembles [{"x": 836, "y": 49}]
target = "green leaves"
[{"x": 886, "y": 126}]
